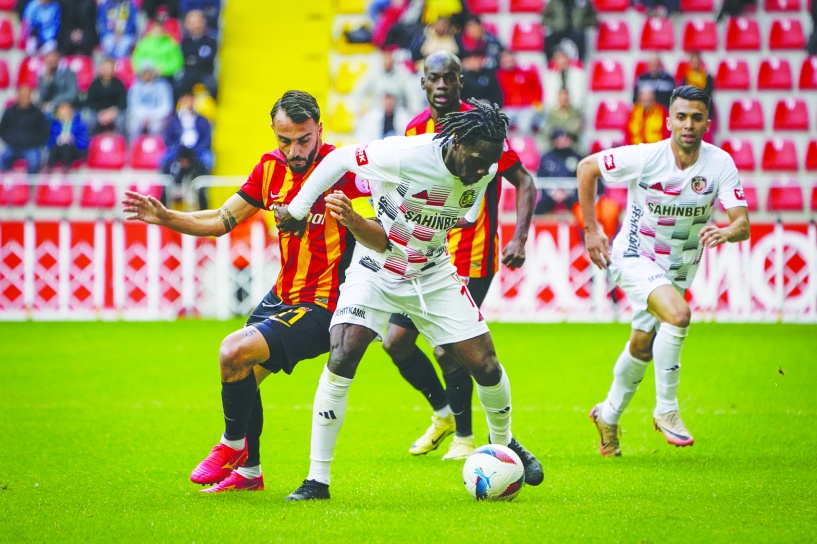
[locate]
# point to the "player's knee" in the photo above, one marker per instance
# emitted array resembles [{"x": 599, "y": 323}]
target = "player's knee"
[
  {"x": 679, "y": 317},
  {"x": 641, "y": 352},
  {"x": 488, "y": 372},
  {"x": 448, "y": 364},
  {"x": 399, "y": 347},
  {"x": 231, "y": 355}
]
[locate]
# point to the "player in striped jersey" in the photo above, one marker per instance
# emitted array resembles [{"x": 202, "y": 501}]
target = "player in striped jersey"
[
  {"x": 474, "y": 252},
  {"x": 292, "y": 322}
]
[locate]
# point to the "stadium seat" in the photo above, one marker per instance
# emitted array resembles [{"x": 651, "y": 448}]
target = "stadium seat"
[
  {"x": 607, "y": 75},
  {"x": 700, "y": 6},
  {"x": 814, "y": 198},
  {"x": 29, "y": 71},
  {"x": 483, "y": 6},
  {"x": 787, "y": 34},
  {"x": 774, "y": 74},
  {"x": 98, "y": 195},
  {"x": 781, "y": 5},
  {"x": 528, "y": 36},
  {"x": 742, "y": 34},
  {"x": 344, "y": 47},
  {"x": 351, "y": 7},
  {"x": 6, "y": 33},
  {"x": 780, "y": 154},
  {"x": 54, "y": 194},
  {"x": 741, "y": 152},
  {"x": 811, "y": 156},
  {"x": 147, "y": 152},
  {"x": 341, "y": 120},
  {"x": 613, "y": 36},
  {"x": 658, "y": 34},
  {"x": 348, "y": 76},
  {"x": 5, "y": 77},
  {"x": 808, "y": 74},
  {"x": 733, "y": 75},
  {"x": 149, "y": 189},
  {"x": 173, "y": 28},
  {"x": 83, "y": 68},
  {"x": 14, "y": 190},
  {"x": 746, "y": 114},
  {"x": 7, "y": 5},
  {"x": 642, "y": 66},
  {"x": 611, "y": 5},
  {"x": 604, "y": 143},
  {"x": 612, "y": 114},
  {"x": 791, "y": 114},
  {"x": 785, "y": 195},
  {"x": 107, "y": 151},
  {"x": 700, "y": 35},
  {"x": 527, "y": 6},
  {"x": 528, "y": 151}
]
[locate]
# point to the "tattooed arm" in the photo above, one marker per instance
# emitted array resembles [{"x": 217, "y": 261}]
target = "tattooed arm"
[{"x": 202, "y": 223}]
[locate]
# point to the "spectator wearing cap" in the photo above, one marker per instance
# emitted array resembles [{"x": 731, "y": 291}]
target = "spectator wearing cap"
[
  {"x": 41, "y": 24},
  {"x": 68, "y": 140},
  {"x": 77, "y": 34},
  {"x": 199, "y": 52},
  {"x": 116, "y": 26},
  {"x": 160, "y": 49},
  {"x": 24, "y": 130},
  {"x": 648, "y": 120},
  {"x": 57, "y": 83},
  {"x": 106, "y": 101},
  {"x": 150, "y": 102}
]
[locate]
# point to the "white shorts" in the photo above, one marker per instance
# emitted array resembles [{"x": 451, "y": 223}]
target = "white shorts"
[
  {"x": 450, "y": 314},
  {"x": 638, "y": 277}
]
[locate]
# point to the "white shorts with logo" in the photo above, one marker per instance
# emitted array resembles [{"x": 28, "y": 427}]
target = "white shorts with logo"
[
  {"x": 638, "y": 277},
  {"x": 439, "y": 304}
]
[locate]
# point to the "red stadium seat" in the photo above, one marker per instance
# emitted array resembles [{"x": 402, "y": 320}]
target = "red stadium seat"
[
  {"x": 814, "y": 198},
  {"x": 29, "y": 71},
  {"x": 613, "y": 36},
  {"x": 787, "y": 34},
  {"x": 774, "y": 74},
  {"x": 700, "y": 35},
  {"x": 490, "y": 28},
  {"x": 785, "y": 195},
  {"x": 123, "y": 69},
  {"x": 603, "y": 144},
  {"x": 55, "y": 194},
  {"x": 642, "y": 66},
  {"x": 528, "y": 36},
  {"x": 528, "y": 151},
  {"x": 83, "y": 68},
  {"x": 658, "y": 34},
  {"x": 98, "y": 195},
  {"x": 7, "y": 5},
  {"x": 746, "y": 114},
  {"x": 147, "y": 189},
  {"x": 5, "y": 77},
  {"x": 6, "y": 33},
  {"x": 741, "y": 152},
  {"x": 811, "y": 156},
  {"x": 483, "y": 6},
  {"x": 779, "y": 154},
  {"x": 14, "y": 191},
  {"x": 791, "y": 114},
  {"x": 527, "y": 6},
  {"x": 742, "y": 34},
  {"x": 733, "y": 75},
  {"x": 808, "y": 74},
  {"x": 607, "y": 75},
  {"x": 107, "y": 151},
  {"x": 612, "y": 114},
  {"x": 147, "y": 152},
  {"x": 702, "y": 6},
  {"x": 611, "y": 5},
  {"x": 781, "y": 5}
]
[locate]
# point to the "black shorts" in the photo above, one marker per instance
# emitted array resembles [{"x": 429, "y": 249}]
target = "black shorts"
[
  {"x": 478, "y": 287},
  {"x": 293, "y": 333}
]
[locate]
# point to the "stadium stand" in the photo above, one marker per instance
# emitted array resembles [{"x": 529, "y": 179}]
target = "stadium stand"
[
  {"x": 774, "y": 74},
  {"x": 785, "y": 195},
  {"x": 607, "y": 75},
  {"x": 700, "y": 35},
  {"x": 733, "y": 75},
  {"x": 108, "y": 151},
  {"x": 742, "y": 34},
  {"x": 791, "y": 114},
  {"x": 746, "y": 114},
  {"x": 787, "y": 34},
  {"x": 658, "y": 34},
  {"x": 147, "y": 152},
  {"x": 741, "y": 152},
  {"x": 54, "y": 195},
  {"x": 98, "y": 195},
  {"x": 613, "y": 35},
  {"x": 808, "y": 74},
  {"x": 780, "y": 154}
]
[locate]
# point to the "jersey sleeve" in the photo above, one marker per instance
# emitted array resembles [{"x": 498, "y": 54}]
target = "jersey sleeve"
[
  {"x": 509, "y": 159},
  {"x": 730, "y": 191},
  {"x": 621, "y": 164},
  {"x": 251, "y": 190},
  {"x": 376, "y": 161}
]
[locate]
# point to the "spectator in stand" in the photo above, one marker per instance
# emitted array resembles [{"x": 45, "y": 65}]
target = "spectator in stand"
[
  {"x": 657, "y": 79},
  {"x": 188, "y": 138},
  {"x": 697, "y": 76},
  {"x": 159, "y": 49},
  {"x": 210, "y": 8},
  {"x": 116, "y": 26},
  {"x": 478, "y": 81},
  {"x": 658, "y": 8},
  {"x": 391, "y": 78},
  {"x": 566, "y": 23},
  {"x": 436, "y": 37},
  {"x": 387, "y": 119},
  {"x": 57, "y": 83},
  {"x": 648, "y": 120},
  {"x": 182, "y": 195},
  {"x": 733, "y": 8},
  {"x": 150, "y": 102},
  {"x": 77, "y": 34},
  {"x": 563, "y": 117},
  {"x": 199, "y": 51},
  {"x": 521, "y": 92},
  {"x": 474, "y": 37},
  {"x": 68, "y": 141},
  {"x": 41, "y": 24},
  {"x": 24, "y": 129},
  {"x": 391, "y": 26},
  {"x": 106, "y": 101},
  {"x": 153, "y": 8},
  {"x": 563, "y": 74}
]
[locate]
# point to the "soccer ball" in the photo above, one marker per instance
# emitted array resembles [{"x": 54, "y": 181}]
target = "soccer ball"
[{"x": 493, "y": 473}]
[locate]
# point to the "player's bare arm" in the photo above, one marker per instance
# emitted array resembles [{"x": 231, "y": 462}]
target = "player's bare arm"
[
  {"x": 202, "y": 223},
  {"x": 736, "y": 231},
  {"x": 513, "y": 254},
  {"x": 594, "y": 238},
  {"x": 368, "y": 232}
]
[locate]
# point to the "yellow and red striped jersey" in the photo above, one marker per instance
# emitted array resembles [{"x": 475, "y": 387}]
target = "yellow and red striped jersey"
[
  {"x": 474, "y": 250},
  {"x": 311, "y": 269}
]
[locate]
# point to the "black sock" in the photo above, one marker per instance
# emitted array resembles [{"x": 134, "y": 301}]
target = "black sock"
[
  {"x": 237, "y": 399},
  {"x": 420, "y": 373},
  {"x": 459, "y": 388},
  {"x": 254, "y": 427}
]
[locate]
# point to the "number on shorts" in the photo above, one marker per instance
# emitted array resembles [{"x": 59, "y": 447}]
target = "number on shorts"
[{"x": 290, "y": 316}]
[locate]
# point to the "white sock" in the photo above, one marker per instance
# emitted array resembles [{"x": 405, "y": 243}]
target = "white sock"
[
  {"x": 327, "y": 418},
  {"x": 667, "y": 353},
  {"x": 250, "y": 472},
  {"x": 443, "y": 412},
  {"x": 627, "y": 374},
  {"x": 237, "y": 445},
  {"x": 496, "y": 401}
]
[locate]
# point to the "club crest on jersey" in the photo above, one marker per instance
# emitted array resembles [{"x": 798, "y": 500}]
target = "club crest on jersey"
[
  {"x": 360, "y": 155},
  {"x": 739, "y": 194},
  {"x": 699, "y": 184},
  {"x": 468, "y": 198},
  {"x": 609, "y": 162}
]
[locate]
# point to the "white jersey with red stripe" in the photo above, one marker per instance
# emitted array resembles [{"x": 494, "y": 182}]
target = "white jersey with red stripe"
[{"x": 667, "y": 207}]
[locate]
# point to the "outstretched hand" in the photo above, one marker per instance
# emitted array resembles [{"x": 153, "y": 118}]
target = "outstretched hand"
[
  {"x": 143, "y": 208},
  {"x": 287, "y": 223}
]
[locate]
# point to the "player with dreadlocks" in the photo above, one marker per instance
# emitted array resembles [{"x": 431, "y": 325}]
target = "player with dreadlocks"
[{"x": 422, "y": 187}]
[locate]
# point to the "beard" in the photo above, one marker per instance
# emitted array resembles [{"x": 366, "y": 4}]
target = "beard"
[{"x": 303, "y": 166}]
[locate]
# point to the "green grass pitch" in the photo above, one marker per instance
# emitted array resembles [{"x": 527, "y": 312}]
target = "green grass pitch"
[{"x": 103, "y": 422}]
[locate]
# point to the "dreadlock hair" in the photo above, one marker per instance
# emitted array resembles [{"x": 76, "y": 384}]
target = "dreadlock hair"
[{"x": 484, "y": 122}]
